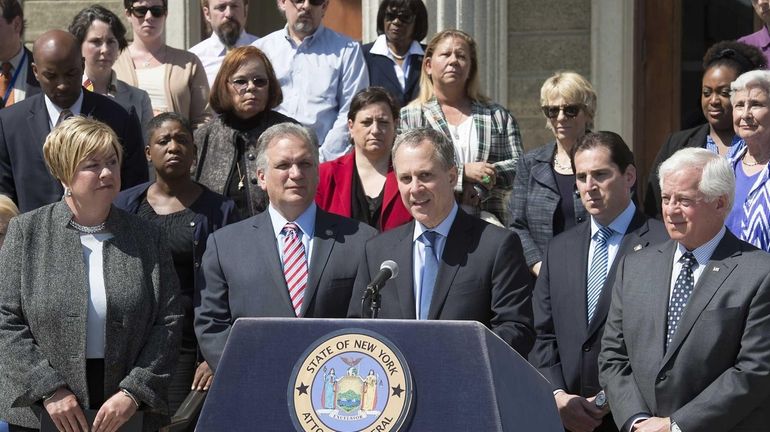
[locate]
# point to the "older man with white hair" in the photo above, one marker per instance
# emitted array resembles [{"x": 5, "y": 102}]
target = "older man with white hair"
[{"x": 685, "y": 347}]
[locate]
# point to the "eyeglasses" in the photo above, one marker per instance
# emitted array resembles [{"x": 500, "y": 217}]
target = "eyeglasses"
[
  {"x": 403, "y": 16},
  {"x": 141, "y": 11},
  {"x": 242, "y": 84},
  {"x": 570, "y": 111},
  {"x": 312, "y": 2}
]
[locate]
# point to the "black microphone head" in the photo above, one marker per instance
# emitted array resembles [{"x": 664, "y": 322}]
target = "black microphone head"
[{"x": 392, "y": 266}]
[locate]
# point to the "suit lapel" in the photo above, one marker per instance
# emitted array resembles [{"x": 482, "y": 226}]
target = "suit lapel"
[
  {"x": 405, "y": 280},
  {"x": 455, "y": 249},
  {"x": 435, "y": 117},
  {"x": 578, "y": 268},
  {"x": 415, "y": 65},
  {"x": 267, "y": 249},
  {"x": 542, "y": 172},
  {"x": 632, "y": 241},
  {"x": 482, "y": 120},
  {"x": 714, "y": 275},
  {"x": 87, "y": 109},
  {"x": 659, "y": 284},
  {"x": 323, "y": 243}
]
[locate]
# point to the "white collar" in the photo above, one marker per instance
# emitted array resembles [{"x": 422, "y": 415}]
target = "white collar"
[
  {"x": 54, "y": 110},
  {"x": 380, "y": 47}
]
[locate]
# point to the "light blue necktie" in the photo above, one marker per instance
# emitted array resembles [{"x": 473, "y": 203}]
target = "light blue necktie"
[
  {"x": 598, "y": 271},
  {"x": 429, "y": 271}
]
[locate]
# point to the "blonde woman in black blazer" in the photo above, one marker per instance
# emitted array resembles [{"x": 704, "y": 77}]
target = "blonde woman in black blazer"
[{"x": 79, "y": 332}]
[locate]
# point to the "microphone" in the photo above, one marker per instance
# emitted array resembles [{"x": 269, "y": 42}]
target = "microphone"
[{"x": 388, "y": 270}]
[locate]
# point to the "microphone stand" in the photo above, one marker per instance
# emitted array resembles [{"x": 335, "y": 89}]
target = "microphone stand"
[{"x": 373, "y": 293}]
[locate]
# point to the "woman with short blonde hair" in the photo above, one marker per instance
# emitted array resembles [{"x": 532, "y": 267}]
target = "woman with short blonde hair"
[
  {"x": 544, "y": 201},
  {"x": 76, "y": 279}
]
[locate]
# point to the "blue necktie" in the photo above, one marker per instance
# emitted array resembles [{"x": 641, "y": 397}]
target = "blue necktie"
[
  {"x": 429, "y": 271},
  {"x": 681, "y": 293},
  {"x": 598, "y": 270}
]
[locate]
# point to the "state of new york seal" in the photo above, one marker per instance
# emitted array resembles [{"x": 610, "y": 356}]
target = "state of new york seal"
[{"x": 350, "y": 380}]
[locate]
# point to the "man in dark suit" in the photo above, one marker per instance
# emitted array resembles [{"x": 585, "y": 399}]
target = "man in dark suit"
[
  {"x": 686, "y": 345},
  {"x": 24, "y": 126},
  {"x": 572, "y": 293},
  {"x": 293, "y": 260},
  {"x": 452, "y": 266},
  {"x": 17, "y": 81}
]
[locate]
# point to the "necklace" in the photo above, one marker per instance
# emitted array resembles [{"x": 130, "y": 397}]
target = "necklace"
[
  {"x": 88, "y": 229},
  {"x": 240, "y": 176},
  {"x": 398, "y": 57},
  {"x": 560, "y": 166},
  {"x": 751, "y": 164},
  {"x": 152, "y": 56}
]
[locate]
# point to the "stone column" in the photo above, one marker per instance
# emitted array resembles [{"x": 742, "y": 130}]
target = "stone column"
[
  {"x": 183, "y": 24},
  {"x": 486, "y": 21},
  {"x": 612, "y": 66}
]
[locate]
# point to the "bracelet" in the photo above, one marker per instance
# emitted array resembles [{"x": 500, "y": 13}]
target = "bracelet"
[
  {"x": 130, "y": 396},
  {"x": 49, "y": 396}
]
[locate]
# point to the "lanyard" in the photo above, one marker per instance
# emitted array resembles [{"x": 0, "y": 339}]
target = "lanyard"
[{"x": 15, "y": 75}]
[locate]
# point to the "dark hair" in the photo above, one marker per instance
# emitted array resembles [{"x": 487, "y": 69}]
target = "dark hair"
[
  {"x": 416, "y": 7},
  {"x": 128, "y": 3},
  {"x": 11, "y": 10},
  {"x": 83, "y": 20},
  {"x": 443, "y": 149},
  {"x": 220, "y": 99},
  {"x": 205, "y": 3},
  {"x": 372, "y": 95},
  {"x": 735, "y": 55},
  {"x": 620, "y": 154},
  {"x": 161, "y": 118}
]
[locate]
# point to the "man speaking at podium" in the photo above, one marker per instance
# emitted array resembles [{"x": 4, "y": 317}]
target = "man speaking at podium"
[
  {"x": 452, "y": 266},
  {"x": 293, "y": 260}
]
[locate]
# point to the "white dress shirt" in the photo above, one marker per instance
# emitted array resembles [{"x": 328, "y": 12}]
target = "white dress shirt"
[
  {"x": 306, "y": 224},
  {"x": 380, "y": 47},
  {"x": 93, "y": 257},
  {"x": 54, "y": 111}
]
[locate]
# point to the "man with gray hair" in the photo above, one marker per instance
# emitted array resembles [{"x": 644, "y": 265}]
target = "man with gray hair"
[
  {"x": 453, "y": 266},
  {"x": 685, "y": 346},
  {"x": 293, "y": 260}
]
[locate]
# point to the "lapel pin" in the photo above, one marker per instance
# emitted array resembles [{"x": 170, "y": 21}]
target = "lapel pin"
[
  {"x": 638, "y": 247},
  {"x": 715, "y": 269}
]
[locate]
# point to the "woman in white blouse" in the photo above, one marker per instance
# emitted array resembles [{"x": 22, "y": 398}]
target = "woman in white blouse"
[
  {"x": 89, "y": 307},
  {"x": 174, "y": 79}
]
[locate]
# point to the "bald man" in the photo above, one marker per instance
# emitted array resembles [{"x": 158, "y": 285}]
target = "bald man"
[{"x": 58, "y": 66}]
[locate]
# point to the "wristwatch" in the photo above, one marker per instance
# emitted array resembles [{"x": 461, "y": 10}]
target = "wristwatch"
[
  {"x": 675, "y": 427},
  {"x": 600, "y": 400}
]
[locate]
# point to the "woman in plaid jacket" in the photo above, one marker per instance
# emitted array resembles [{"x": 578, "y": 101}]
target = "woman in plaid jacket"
[{"x": 486, "y": 136}]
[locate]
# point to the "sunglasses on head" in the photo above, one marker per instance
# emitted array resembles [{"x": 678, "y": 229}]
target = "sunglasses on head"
[
  {"x": 141, "y": 11},
  {"x": 242, "y": 84},
  {"x": 552, "y": 111},
  {"x": 403, "y": 16},
  {"x": 312, "y": 2}
]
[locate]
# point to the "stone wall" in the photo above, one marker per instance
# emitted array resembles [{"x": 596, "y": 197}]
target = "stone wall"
[
  {"x": 44, "y": 15},
  {"x": 544, "y": 36}
]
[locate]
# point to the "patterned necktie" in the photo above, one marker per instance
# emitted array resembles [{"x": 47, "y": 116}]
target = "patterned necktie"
[
  {"x": 681, "y": 293},
  {"x": 429, "y": 272},
  {"x": 597, "y": 274},
  {"x": 294, "y": 265},
  {"x": 63, "y": 115},
  {"x": 5, "y": 81}
]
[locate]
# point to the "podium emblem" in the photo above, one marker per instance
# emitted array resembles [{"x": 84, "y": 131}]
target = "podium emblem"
[{"x": 350, "y": 380}]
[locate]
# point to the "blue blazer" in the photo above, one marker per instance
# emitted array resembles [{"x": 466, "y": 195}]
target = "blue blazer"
[
  {"x": 381, "y": 74},
  {"x": 24, "y": 127}
]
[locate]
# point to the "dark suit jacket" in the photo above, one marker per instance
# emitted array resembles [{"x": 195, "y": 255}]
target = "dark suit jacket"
[
  {"x": 534, "y": 201},
  {"x": 482, "y": 277},
  {"x": 244, "y": 277},
  {"x": 381, "y": 74},
  {"x": 695, "y": 137},
  {"x": 715, "y": 375},
  {"x": 44, "y": 302},
  {"x": 335, "y": 192},
  {"x": 23, "y": 129},
  {"x": 567, "y": 348}
]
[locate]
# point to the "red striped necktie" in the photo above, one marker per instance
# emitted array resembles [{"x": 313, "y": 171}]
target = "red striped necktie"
[{"x": 294, "y": 265}]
